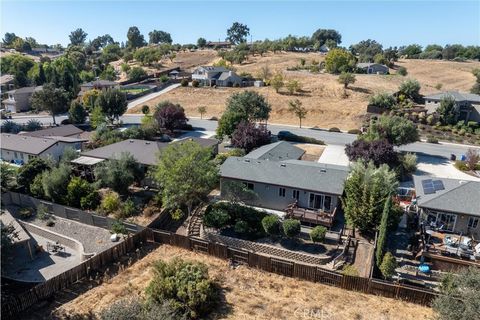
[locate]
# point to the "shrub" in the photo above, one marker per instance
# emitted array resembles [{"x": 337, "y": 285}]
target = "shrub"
[
  {"x": 123, "y": 309},
  {"x": 32, "y": 125},
  {"x": 241, "y": 227},
  {"x": 354, "y": 131},
  {"x": 271, "y": 225},
  {"x": 50, "y": 222},
  {"x": 119, "y": 228},
  {"x": 461, "y": 165},
  {"x": 291, "y": 228},
  {"x": 402, "y": 71},
  {"x": 216, "y": 218},
  {"x": 383, "y": 100},
  {"x": 90, "y": 201},
  {"x": 389, "y": 263},
  {"x": 136, "y": 74},
  {"x": 350, "y": 270},
  {"x": 164, "y": 78},
  {"x": 185, "y": 285},
  {"x": 110, "y": 202},
  {"x": 302, "y": 139},
  {"x": 184, "y": 83},
  {"x": 318, "y": 234},
  {"x": 195, "y": 83},
  {"x": 145, "y": 109},
  {"x": 432, "y": 139},
  {"x": 42, "y": 212},
  {"x": 128, "y": 209},
  {"x": 334, "y": 129},
  {"x": 26, "y": 213}
]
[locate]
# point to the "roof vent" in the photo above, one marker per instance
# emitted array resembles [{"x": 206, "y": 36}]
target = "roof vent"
[
  {"x": 247, "y": 160},
  {"x": 131, "y": 141},
  {"x": 323, "y": 170},
  {"x": 283, "y": 165},
  {"x": 148, "y": 142}
]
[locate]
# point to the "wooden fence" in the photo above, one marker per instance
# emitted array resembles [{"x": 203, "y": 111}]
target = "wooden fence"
[
  {"x": 20, "y": 302},
  {"x": 294, "y": 269}
]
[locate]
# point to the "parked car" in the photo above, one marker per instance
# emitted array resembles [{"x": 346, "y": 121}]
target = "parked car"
[
  {"x": 281, "y": 135},
  {"x": 5, "y": 114}
]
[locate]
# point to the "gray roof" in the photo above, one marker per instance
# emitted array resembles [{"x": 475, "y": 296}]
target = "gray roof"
[
  {"x": 60, "y": 131},
  {"x": 25, "y": 90},
  {"x": 26, "y": 144},
  {"x": 214, "y": 69},
  {"x": 277, "y": 151},
  {"x": 297, "y": 174},
  {"x": 459, "y": 196},
  {"x": 99, "y": 83},
  {"x": 145, "y": 152},
  {"x": 458, "y": 96},
  {"x": 369, "y": 64}
]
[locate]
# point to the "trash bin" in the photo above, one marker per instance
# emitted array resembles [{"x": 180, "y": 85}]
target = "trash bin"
[
  {"x": 453, "y": 157},
  {"x": 463, "y": 157}
]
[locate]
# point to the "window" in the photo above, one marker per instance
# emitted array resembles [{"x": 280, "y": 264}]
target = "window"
[
  {"x": 327, "y": 204},
  {"x": 248, "y": 185},
  {"x": 446, "y": 221},
  {"x": 281, "y": 192},
  {"x": 15, "y": 155},
  {"x": 296, "y": 194},
  {"x": 315, "y": 201},
  {"x": 472, "y": 222}
]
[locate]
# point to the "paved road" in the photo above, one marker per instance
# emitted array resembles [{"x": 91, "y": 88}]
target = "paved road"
[
  {"x": 152, "y": 95},
  {"x": 332, "y": 138}
]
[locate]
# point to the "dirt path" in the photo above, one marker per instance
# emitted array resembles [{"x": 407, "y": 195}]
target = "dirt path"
[{"x": 253, "y": 294}]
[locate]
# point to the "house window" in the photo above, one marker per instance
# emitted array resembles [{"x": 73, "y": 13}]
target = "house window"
[
  {"x": 327, "y": 204},
  {"x": 281, "y": 192},
  {"x": 315, "y": 201},
  {"x": 15, "y": 155},
  {"x": 472, "y": 222},
  {"x": 248, "y": 185},
  {"x": 296, "y": 194},
  {"x": 446, "y": 221}
]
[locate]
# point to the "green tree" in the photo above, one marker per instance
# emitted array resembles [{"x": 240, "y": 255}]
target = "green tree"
[
  {"x": 339, "y": 60},
  {"x": 295, "y": 106},
  {"x": 447, "y": 110},
  {"x": 293, "y": 86},
  {"x": 147, "y": 55},
  {"x": 346, "y": 78},
  {"x": 97, "y": 117},
  {"x": 54, "y": 182},
  {"x": 411, "y": 51},
  {"x": 459, "y": 295},
  {"x": 271, "y": 225},
  {"x": 136, "y": 74},
  {"x": 111, "y": 52},
  {"x": 63, "y": 74},
  {"x": 7, "y": 174},
  {"x": 237, "y": 33},
  {"x": 411, "y": 89},
  {"x": 202, "y": 110},
  {"x": 321, "y": 36},
  {"x": 382, "y": 233},
  {"x": 291, "y": 228},
  {"x": 27, "y": 173},
  {"x": 120, "y": 173},
  {"x": 9, "y": 38},
  {"x": 383, "y": 100},
  {"x": 78, "y": 37},
  {"x": 77, "y": 113},
  {"x": 158, "y": 36},
  {"x": 237, "y": 192},
  {"x": 366, "y": 50},
  {"x": 388, "y": 266},
  {"x": 277, "y": 82},
  {"x": 113, "y": 103},
  {"x": 367, "y": 189},
  {"x": 108, "y": 73},
  {"x": 78, "y": 190},
  {"x": 318, "y": 233},
  {"x": 186, "y": 174},
  {"x": 201, "y": 42},
  {"x": 19, "y": 66},
  {"x": 51, "y": 99},
  {"x": 397, "y": 130},
  {"x": 134, "y": 38}
]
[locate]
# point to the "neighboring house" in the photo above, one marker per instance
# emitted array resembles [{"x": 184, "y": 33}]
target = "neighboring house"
[
  {"x": 68, "y": 130},
  {"x": 308, "y": 191},
  {"x": 373, "y": 68},
  {"x": 277, "y": 151},
  {"x": 218, "y": 44},
  {"x": 449, "y": 204},
  {"x": 20, "y": 148},
  {"x": 216, "y": 76},
  {"x": 98, "y": 84},
  {"x": 7, "y": 83},
  {"x": 467, "y": 104},
  {"x": 19, "y": 99}
]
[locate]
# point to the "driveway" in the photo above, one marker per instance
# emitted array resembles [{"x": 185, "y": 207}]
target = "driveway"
[
  {"x": 334, "y": 154},
  {"x": 440, "y": 167},
  {"x": 152, "y": 95}
]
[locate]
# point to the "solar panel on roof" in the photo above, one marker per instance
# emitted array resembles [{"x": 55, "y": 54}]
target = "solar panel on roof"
[
  {"x": 427, "y": 186},
  {"x": 428, "y": 190},
  {"x": 438, "y": 185}
]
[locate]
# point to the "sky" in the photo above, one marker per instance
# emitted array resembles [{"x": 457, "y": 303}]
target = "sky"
[{"x": 392, "y": 23}]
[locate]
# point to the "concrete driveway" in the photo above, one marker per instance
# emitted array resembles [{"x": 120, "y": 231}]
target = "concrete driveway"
[
  {"x": 440, "y": 167},
  {"x": 334, "y": 154},
  {"x": 151, "y": 96}
]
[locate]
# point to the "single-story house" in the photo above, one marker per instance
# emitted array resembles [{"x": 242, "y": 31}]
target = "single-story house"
[
  {"x": 449, "y": 204},
  {"x": 372, "y": 68},
  {"x": 467, "y": 104},
  {"x": 277, "y": 151},
  {"x": 308, "y": 191},
  {"x": 21, "y": 148},
  {"x": 218, "y": 44},
  {"x": 7, "y": 83},
  {"x": 68, "y": 130},
  {"x": 19, "y": 99},
  {"x": 216, "y": 76},
  {"x": 98, "y": 84}
]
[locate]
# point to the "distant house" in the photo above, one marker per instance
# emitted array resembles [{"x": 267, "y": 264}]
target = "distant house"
[
  {"x": 372, "y": 68},
  {"x": 98, "y": 84},
  {"x": 218, "y": 44},
  {"x": 19, "y": 99},
  {"x": 467, "y": 104},
  {"x": 450, "y": 205},
  {"x": 21, "y": 148},
  {"x": 308, "y": 191},
  {"x": 7, "y": 83},
  {"x": 68, "y": 130},
  {"x": 216, "y": 76}
]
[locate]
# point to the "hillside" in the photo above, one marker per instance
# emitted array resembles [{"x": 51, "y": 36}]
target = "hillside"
[
  {"x": 322, "y": 95},
  {"x": 253, "y": 294}
]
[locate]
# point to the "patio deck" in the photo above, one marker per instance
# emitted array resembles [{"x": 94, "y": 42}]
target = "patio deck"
[{"x": 314, "y": 217}]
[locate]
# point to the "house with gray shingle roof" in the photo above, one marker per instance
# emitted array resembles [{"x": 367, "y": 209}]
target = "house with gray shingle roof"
[
  {"x": 308, "y": 188},
  {"x": 216, "y": 76},
  {"x": 18, "y": 100},
  {"x": 467, "y": 104},
  {"x": 277, "y": 151},
  {"x": 450, "y": 204},
  {"x": 372, "y": 68}
]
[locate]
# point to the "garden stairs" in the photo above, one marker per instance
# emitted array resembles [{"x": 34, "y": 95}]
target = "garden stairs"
[{"x": 194, "y": 228}]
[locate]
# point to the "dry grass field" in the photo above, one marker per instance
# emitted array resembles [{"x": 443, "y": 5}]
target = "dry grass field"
[
  {"x": 323, "y": 96},
  {"x": 253, "y": 294}
]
